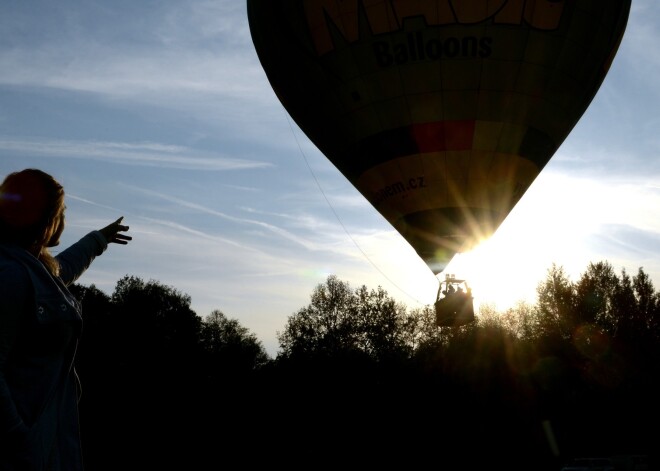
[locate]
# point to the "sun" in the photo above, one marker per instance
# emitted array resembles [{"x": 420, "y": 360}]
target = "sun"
[
  {"x": 493, "y": 275},
  {"x": 508, "y": 267}
]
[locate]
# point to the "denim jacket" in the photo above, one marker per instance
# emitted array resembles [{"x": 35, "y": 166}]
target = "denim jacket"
[{"x": 40, "y": 324}]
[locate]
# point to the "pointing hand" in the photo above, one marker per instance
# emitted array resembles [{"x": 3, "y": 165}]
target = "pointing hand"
[{"x": 112, "y": 232}]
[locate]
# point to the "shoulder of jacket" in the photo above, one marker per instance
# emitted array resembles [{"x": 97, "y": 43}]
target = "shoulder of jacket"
[
  {"x": 13, "y": 262},
  {"x": 15, "y": 278}
]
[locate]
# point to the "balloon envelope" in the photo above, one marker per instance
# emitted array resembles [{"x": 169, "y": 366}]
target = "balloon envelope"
[{"x": 440, "y": 112}]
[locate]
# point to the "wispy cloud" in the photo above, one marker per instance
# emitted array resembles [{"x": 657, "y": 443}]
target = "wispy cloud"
[
  {"x": 142, "y": 154},
  {"x": 181, "y": 51},
  {"x": 316, "y": 244},
  {"x": 622, "y": 240}
]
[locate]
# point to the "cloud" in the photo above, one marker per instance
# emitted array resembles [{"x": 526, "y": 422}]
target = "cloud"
[
  {"x": 194, "y": 52},
  {"x": 325, "y": 238},
  {"x": 147, "y": 154},
  {"x": 627, "y": 242},
  {"x": 135, "y": 74}
]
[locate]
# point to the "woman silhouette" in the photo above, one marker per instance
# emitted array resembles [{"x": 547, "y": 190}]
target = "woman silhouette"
[{"x": 40, "y": 324}]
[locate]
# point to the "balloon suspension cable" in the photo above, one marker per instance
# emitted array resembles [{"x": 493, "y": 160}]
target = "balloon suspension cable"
[{"x": 337, "y": 216}]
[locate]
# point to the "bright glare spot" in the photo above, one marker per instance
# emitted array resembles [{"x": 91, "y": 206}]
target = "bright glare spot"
[
  {"x": 495, "y": 277},
  {"x": 547, "y": 226}
]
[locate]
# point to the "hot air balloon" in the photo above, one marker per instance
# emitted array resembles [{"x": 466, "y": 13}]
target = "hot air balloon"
[{"x": 440, "y": 112}]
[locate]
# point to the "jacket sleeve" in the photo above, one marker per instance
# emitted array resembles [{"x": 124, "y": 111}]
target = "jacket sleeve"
[
  {"x": 77, "y": 258},
  {"x": 14, "y": 298}
]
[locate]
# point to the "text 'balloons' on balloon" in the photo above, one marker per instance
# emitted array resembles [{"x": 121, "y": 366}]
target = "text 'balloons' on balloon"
[{"x": 440, "y": 112}]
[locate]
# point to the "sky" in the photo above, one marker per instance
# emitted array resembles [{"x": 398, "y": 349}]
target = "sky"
[{"x": 160, "y": 112}]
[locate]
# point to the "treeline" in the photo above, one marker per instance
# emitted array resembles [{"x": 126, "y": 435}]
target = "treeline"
[{"x": 361, "y": 380}]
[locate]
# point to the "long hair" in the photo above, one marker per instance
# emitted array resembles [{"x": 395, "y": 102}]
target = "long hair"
[{"x": 31, "y": 213}]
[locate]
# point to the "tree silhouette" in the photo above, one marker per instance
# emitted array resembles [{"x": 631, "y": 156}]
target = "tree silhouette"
[
  {"x": 361, "y": 379},
  {"x": 147, "y": 358},
  {"x": 229, "y": 347},
  {"x": 599, "y": 360},
  {"x": 343, "y": 321},
  {"x": 556, "y": 306}
]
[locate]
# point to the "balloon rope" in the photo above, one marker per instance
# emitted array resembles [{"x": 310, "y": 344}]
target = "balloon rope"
[{"x": 337, "y": 216}]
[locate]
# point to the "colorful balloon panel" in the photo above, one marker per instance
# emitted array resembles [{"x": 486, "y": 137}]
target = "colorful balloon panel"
[{"x": 440, "y": 112}]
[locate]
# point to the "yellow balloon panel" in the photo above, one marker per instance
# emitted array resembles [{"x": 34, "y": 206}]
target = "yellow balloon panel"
[{"x": 440, "y": 112}]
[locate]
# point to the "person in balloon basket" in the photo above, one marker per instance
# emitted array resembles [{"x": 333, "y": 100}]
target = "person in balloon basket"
[{"x": 40, "y": 324}]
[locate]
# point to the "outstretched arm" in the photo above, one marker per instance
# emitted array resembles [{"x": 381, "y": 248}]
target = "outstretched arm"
[{"x": 77, "y": 258}]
